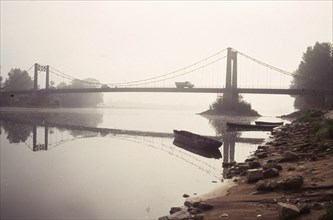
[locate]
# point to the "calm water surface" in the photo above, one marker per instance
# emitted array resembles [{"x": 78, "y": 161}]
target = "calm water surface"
[{"x": 54, "y": 172}]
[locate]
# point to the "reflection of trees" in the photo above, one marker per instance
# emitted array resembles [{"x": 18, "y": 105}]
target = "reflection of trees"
[
  {"x": 19, "y": 132},
  {"x": 82, "y": 119},
  {"x": 77, "y": 133},
  {"x": 16, "y": 133}
]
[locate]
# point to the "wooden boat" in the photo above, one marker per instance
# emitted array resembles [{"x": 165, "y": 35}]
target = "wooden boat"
[
  {"x": 268, "y": 123},
  {"x": 204, "y": 152},
  {"x": 249, "y": 127},
  {"x": 195, "y": 140}
]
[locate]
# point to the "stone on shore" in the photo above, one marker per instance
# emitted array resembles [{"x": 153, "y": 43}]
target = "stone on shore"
[
  {"x": 253, "y": 175},
  {"x": 271, "y": 172},
  {"x": 204, "y": 206},
  {"x": 287, "y": 211},
  {"x": 293, "y": 182},
  {"x": 266, "y": 185},
  {"x": 175, "y": 209},
  {"x": 192, "y": 202},
  {"x": 181, "y": 215},
  {"x": 186, "y": 195},
  {"x": 289, "y": 157},
  {"x": 261, "y": 155},
  {"x": 254, "y": 164},
  {"x": 272, "y": 165}
]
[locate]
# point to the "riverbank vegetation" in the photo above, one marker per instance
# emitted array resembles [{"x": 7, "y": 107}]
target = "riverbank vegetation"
[
  {"x": 314, "y": 72},
  {"x": 323, "y": 128}
]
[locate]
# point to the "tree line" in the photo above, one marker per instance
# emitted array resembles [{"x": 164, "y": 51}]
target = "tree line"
[{"x": 20, "y": 80}]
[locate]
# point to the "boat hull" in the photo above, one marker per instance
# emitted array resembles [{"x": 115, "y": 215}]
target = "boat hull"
[
  {"x": 249, "y": 127},
  {"x": 268, "y": 123},
  {"x": 194, "y": 140}
]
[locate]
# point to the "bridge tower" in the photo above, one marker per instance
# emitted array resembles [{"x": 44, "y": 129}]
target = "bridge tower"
[
  {"x": 231, "y": 96},
  {"x": 39, "y": 68},
  {"x": 41, "y": 98}
]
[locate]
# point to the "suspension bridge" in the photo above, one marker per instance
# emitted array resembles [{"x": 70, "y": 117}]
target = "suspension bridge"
[{"x": 228, "y": 71}]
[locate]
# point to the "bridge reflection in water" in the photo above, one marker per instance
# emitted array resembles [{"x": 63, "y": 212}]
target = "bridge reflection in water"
[{"x": 42, "y": 135}]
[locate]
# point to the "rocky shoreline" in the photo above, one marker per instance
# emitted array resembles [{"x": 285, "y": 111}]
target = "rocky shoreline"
[{"x": 288, "y": 177}]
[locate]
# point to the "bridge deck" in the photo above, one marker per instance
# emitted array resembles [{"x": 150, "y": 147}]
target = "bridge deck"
[{"x": 173, "y": 90}]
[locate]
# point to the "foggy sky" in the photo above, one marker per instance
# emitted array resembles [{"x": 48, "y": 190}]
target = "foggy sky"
[{"x": 115, "y": 41}]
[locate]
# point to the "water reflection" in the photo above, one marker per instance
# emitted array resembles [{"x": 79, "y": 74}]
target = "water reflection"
[
  {"x": 232, "y": 139},
  {"x": 105, "y": 172},
  {"x": 34, "y": 127},
  {"x": 42, "y": 132},
  {"x": 16, "y": 133},
  {"x": 47, "y": 130},
  {"x": 208, "y": 153}
]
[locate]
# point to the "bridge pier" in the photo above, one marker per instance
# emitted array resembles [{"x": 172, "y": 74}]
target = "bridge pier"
[
  {"x": 230, "y": 96},
  {"x": 36, "y": 77}
]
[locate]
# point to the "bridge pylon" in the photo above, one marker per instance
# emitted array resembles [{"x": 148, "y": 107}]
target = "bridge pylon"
[
  {"x": 230, "y": 96},
  {"x": 40, "y": 68},
  {"x": 41, "y": 98}
]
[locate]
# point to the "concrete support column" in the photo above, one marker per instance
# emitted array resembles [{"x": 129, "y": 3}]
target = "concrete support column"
[
  {"x": 36, "y": 77},
  {"x": 46, "y": 136},
  {"x": 227, "y": 96},
  {"x": 34, "y": 137},
  {"x": 228, "y": 70},
  {"x": 47, "y": 80},
  {"x": 234, "y": 77}
]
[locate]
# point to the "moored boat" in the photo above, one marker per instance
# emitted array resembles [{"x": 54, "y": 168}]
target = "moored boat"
[
  {"x": 204, "y": 152},
  {"x": 249, "y": 127},
  {"x": 195, "y": 140},
  {"x": 268, "y": 123}
]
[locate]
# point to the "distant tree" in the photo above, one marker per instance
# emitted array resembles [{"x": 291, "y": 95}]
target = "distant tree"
[
  {"x": 80, "y": 99},
  {"x": 62, "y": 85},
  {"x": 314, "y": 72},
  {"x": 18, "y": 80}
]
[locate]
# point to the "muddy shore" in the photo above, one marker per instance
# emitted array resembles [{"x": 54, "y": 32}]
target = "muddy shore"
[{"x": 288, "y": 177}]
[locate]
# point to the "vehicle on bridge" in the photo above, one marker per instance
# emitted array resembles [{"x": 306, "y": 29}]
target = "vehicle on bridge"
[{"x": 183, "y": 85}]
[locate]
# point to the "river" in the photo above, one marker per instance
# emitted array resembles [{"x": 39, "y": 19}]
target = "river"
[{"x": 59, "y": 172}]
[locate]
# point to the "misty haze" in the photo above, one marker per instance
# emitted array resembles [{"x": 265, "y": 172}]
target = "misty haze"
[{"x": 148, "y": 109}]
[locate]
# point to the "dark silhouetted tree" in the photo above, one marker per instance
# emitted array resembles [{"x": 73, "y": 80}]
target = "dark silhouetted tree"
[
  {"x": 18, "y": 80},
  {"x": 314, "y": 72}
]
